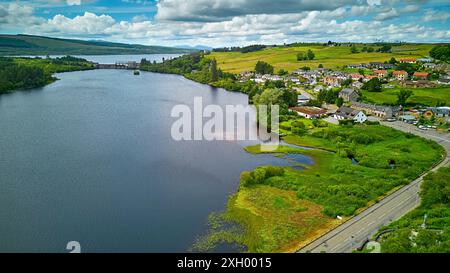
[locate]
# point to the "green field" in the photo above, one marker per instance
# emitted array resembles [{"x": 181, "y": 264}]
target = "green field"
[
  {"x": 282, "y": 211},
  {"x": 330, "y": 57},
  {"x": 15, "y": 45},
  {"x": 421, "y": 96}
]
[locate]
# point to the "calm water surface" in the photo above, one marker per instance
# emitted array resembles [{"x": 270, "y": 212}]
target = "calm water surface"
[{"x": 90, "y": 158}]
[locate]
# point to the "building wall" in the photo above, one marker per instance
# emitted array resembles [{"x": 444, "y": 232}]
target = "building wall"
[{"x": 360, "y": 118}]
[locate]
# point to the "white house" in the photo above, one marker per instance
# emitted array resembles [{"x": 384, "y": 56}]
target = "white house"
[
  {"x": 349, "y": 113},
  {"x": 309, "y": 112}
]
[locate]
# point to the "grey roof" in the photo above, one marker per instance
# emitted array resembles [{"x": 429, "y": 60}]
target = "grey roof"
[
  {"x": 347, "y": 91},
  {"x": 302, "y": 97},
  {"x": 374, "y": 107},
  {"x": 407, "y": 117},
  {"x": 347, "y": 112}
]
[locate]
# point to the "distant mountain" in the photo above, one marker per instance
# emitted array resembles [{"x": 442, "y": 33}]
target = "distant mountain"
[
  {"x": 197, "y": 47},
  {"x": 38, "y": 45}
]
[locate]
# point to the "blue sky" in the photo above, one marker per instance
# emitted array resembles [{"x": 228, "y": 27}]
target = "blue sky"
[{"x": 229, "y": 22}]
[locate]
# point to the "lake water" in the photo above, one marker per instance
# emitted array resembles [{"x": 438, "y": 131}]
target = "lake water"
[{"x": 90, "y": 158}]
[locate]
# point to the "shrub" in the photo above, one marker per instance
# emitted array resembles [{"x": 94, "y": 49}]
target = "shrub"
[
  {"x": 272, "y": 171},
  {"x": 246, "y": 179},
  {"x": 346, "y": 122},
  {"x": 362, "y": 139},
  {"x": 369, "y": 122}
]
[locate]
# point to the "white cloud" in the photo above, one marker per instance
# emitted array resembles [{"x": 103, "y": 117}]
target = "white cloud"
[
  {"x": 13, "y": 15},
  {"x": 410, "y": 9},
  {"x": 87, "y": 24},
  {"x": 432, "y": 15},
  {"x": 218, "y": 10},
  {"x": 239, "y": 30},
  {"x": 338, "y": 24},
  {"x": 388, "y": 14},
  {"x": 73, "y": 2}
]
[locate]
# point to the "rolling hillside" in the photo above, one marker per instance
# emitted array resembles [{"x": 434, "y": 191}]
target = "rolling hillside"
[
  {"x": 330, "y": 57},
  {"x": 37, "y": 45}
]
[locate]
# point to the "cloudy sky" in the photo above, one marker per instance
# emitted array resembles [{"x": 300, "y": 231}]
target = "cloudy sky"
[{"x": 229, "y": 22}]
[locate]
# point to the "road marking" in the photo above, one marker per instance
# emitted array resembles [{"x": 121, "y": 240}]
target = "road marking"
[
  {"x": 381, "y": 216},
  {"x": 336, "y": 246}
]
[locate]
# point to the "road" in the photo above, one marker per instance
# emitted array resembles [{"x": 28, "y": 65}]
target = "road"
[{"x": 354, "y": 232}]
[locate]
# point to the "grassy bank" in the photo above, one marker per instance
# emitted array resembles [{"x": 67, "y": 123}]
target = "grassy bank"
[
  {"x": 282, "y": 211},
  {"x": 331, "y": 57}
]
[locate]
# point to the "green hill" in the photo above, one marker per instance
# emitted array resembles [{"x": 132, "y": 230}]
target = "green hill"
[
  {"x": 37, "y": 45},
  {"x": 285, "y": 57}
]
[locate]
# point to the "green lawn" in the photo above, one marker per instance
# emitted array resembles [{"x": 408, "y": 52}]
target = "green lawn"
[
  {"x": 330, "y": 57},
  {"x": 422, "y": 96}
]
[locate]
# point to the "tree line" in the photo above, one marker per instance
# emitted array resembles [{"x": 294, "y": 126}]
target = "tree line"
[
  {"x": 28, "y": 73},
  {"x": 14, "y": 76}
]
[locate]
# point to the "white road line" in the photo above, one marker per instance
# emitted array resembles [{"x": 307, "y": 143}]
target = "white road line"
[{"x": 382, "y": 215}]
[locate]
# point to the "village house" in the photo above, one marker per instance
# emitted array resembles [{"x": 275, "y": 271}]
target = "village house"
[
  {"x": 348, "y": 94},
  {"x": 381, "y": 73},
  {"x": 321, "y": 70},
  {"x": 309, "y": 112},
  {"x": 302, "y": 100},
  {"x": 357, "y": 65},
  {"x": 383, "y": 112},
  {"x": 425, "y": 60},
  {"x": 400, "y": 75},
  {"x": 331, "y": 81},
  {"x": 440, "y": 111},
  {"x": 344, "y": 112},
  {"x": 357, "y": 85},
  {"x": 272, "y": 77},
  {"x": 292, "y": 79},
  {"x": 444, "y": 80},
  {"x": 418, "y": 84},
  {"x": 407, "y": 118},
  {"x": 356, "y": 76},
  {"x": 318, "y": 88},
  {"x": 369, "y": 77},
  {"x": 421, "y": 76},
  {"x": 379, "y": 65},
  {"x": 429, "y": 65},
  {"x": 408, "y": 61}
]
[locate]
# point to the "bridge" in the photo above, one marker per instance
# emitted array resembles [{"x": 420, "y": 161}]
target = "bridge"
[{"x": 131, "y": 65}]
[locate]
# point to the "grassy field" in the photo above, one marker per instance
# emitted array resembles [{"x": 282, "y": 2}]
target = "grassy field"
[
  {"x": 421, "y": 96},
  {"x": 283, "y": 212},
  {"x": 330, "y": 57}
]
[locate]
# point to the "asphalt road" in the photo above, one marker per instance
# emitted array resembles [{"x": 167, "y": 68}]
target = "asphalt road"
[{"x": 353, "y": 233}]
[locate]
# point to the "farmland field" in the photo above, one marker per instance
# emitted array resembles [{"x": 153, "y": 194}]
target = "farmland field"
[
  {"x": 421, "y": 96},
  {"x": 330, "y": 57}
]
